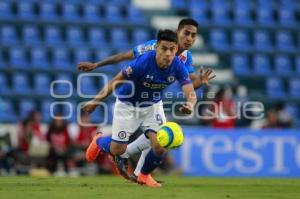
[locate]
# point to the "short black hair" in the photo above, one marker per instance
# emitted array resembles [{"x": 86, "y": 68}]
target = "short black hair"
[
  {"x": 167, "y": 35},
  {"x": 187, "y": 21}
]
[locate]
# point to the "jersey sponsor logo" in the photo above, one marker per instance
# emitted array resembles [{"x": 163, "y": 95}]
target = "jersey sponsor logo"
[
  {"x": 122, "y": 135},
  {"x": 182, "y": 58}
]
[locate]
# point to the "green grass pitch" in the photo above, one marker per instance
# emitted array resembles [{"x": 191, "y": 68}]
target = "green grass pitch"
[{"x": 109, "y": 187}]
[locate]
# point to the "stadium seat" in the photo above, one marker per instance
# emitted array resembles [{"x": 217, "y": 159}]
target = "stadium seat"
[
  {"x": 17, "y": 57},
  {"x": 26, "y": 10},
  {"x": 241, "y": 40},
  {"x": 262, "y": 65},
  {"x": 31, "y": 35},
  {"x": 219, "y": 40},
  {"x": 39, "y": 58},
  {"x": 242, "y": 16},
  {"x": 262, "y": 40},
  {"x": 53, "y": 35},
  {"x": 48, "y": 11},
  {"x": 7, "y": 108},
  {"x": 297, "y": 63},
  {"x": 283, "y": 65},
  {"x": 135, "y": 16},
  {"x": 6, "y": 10},
  {"x": 140, "y": 36},
  {"x": 181, "y": 5},
  {"x": 220, "y": 14},
  {"x": 63, "y": 88},
  {"x": 294, "y": 88},
  {"x": 240, "y": 64},
  {"x": 288, "y": 4},
  {"x": 20, "y": 84},
  {"x": 286, "y": 17},
  {"x": 4, "y": 88},
  {"x": 61, "y": 59},
  {"x": 75, "y": 36},
  {"x": 91, "y": 13},
  {"x": 2, "y": 61},
  {"x": 70, "y": 11},
  {"x": 96, "y": 37},
  {"x": 70, "y": 110},
  {"x": 275, "y": 88},
  {"x": 113, "y": 14},
  {"x": 42, "y": 84},
  {"x": 87, "y": 86},
  {"x": 119, "y": 38},
  {"x": 25, "y": 107},
  {"x": 8, "y": 35},
  {"x": 284, "y": 41},
  {"x": 81, "y": 55},
  {"x": 45, "y": 111},
  {"x": 199, "y": 11},
  {"x": 265, "y": 16}
]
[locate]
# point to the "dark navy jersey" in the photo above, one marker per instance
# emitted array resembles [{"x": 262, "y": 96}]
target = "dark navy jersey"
[{"x": 148, "y": 80}]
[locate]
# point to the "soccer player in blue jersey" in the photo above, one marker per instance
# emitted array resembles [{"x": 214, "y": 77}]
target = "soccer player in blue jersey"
[
  {"x": 186, "y": 34},
  {"x": 137, "y": 106}
]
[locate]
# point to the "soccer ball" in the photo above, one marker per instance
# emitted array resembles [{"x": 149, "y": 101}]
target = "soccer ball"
[{"x": 170, "y": 135}]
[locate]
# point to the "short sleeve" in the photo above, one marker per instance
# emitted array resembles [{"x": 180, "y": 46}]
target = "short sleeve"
[
  {"x": 189, "y": 63},
  {"x": 132, "y": 69},
  {"x": 182, "y": 74},
  {"x": 143, "y": 48}
]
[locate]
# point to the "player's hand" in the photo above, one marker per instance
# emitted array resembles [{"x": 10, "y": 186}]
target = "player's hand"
[
  {"x": 89, "y": 107},
  {"x": 86, "y": 66},
  {"x": 186, "y": 108},
  {"x": 206, "y": 76}
]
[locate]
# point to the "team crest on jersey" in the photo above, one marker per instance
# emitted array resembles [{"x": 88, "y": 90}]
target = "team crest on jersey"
[
  {"x": 128, "y": 70},
  {"x": 122, "y": 135},
  {"x": 171, "y": 79}
]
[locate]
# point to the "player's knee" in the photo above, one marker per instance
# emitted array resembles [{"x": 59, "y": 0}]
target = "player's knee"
[{"x": 117, "y": 149}]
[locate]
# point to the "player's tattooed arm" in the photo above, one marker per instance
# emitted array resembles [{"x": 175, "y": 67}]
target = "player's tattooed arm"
[
  {"x": 89, "y": 66},
  {"x": 90, "y": 106},
  {"x": 203, "y": 78},
  {"x": 190, "y": 95}
]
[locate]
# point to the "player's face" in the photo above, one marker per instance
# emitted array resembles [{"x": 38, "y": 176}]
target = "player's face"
[
  {"x": 186, "y": 36},
  {"x": 165, "y": 53}
]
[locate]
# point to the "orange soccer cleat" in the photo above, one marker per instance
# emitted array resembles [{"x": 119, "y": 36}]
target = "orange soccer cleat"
[
  {"x": 147, "y": 180},
  {"x": 93, "y": 150}
]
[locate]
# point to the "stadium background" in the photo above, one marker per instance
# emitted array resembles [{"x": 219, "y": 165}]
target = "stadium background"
[{"x": 252, "y": 45}]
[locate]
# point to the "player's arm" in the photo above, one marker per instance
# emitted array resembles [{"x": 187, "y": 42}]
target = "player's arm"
[
  {"x": 190, "y": 95},
  {"x": 90, "y": 106},
  {"x": 89, "y": 66},
  {"x": 203, "y": 78}
]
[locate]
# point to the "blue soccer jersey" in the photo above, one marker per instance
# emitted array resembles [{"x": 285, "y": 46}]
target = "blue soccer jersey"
[
  {"x": 149, "y": 80},
  {"x": 185, "y": 56}
]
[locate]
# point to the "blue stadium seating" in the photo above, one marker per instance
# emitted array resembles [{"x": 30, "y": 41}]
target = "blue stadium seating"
[
  {"x": 275, "y": 88},
  {"x": 75, "y": 36},
  {"x": 91, "y": 13},
  {"x": 135, "y": 16},
  {"x": 242, "y": 16},
  {"x": 287, "y": 17},
  {"x": 179, "y": 4},
  {"x": 119, "y": 38},
  {"x": 81, "y": 55},
  {"x": 87, "y": 86},
  {"x": 284, "y": 41},
  {"x": 241, "y": 40},
  {"x": 199, "y": 14},
  {"x": 297, "y": 63},
  {"x": 70, "y": 111},
  {"x": 53, "y": 35},
  {"x": 294, "y": 88},
  {"x": 7, "y": 108},
  {"x": 219, "y": 40},
  {"x": 63, "y": 88},
  {"x": 70, "y": 12},
  {"x": 2, "y": 61},
  {"x": 113, "y": 13},
  {"x": 220, "y": 13},
  {"x": 60, "y": 58},
  {"x": 262, "y": 65},
  {"x": 265, "y": 16},
  {"x": 31, "y": 35},
  {"x": 42, "y": 84},
  {"x": 17, "y": 57},
  {"x": 26, "y": 10},
  {"x": 6, "y": 10},
  {"x": 48, "y": 11},
  {"x": 39, "y": 58},
  {"x": 96, "y": 37},
  {"x": 4, "y": 88},
  {"x": 20, "y": 84},
  {"x": 262, "y": 40},
  {"x": 25, "y": 107},
  {"x": 8, "y": 35},
  {"x": 140, "y": 36},
  {"x": 45, "y": 111},
  {"x": 283, "y": 65},
  {"x": 240, "y": 64}
]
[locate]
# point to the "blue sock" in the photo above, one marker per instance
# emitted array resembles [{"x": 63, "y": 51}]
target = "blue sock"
[
  {"x": 104, "y": 143},
  {"x": 152, "y": 161}
]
